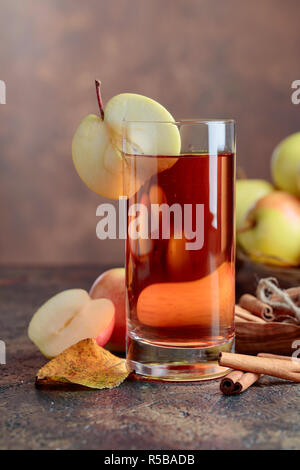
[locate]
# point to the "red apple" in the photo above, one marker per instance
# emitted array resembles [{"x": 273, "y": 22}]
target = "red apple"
[{"x": 111, "y": 285}]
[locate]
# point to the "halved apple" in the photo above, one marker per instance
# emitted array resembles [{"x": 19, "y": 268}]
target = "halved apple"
[
  {"x": 97, "y": 143},
  {"x": 68, "y": 318}
]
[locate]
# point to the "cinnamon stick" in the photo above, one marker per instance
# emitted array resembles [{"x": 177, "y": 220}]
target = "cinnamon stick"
[
  {"x": 276, "y": 356},
  {"x": 241, "y": 314},
  {"x": 257, "y": 307},
  {"x": 238, "y": 381},
  {"x": 239, "y": 319},
  {"x": 285, "y": 303},
  {"x": 289, "y": 370},
  {"x": 293, "y": 292}
]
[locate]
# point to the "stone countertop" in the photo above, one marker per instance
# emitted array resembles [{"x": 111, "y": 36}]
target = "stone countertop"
[{"x": 136, "y": 415}]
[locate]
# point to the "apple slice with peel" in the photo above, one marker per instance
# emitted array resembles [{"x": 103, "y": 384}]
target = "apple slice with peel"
[
  {"x": 68, "y": 318},
  {"x": 97, "y": 143}
]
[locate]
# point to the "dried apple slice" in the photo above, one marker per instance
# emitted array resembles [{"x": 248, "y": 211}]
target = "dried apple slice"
[{"x": 68, "y": 318}]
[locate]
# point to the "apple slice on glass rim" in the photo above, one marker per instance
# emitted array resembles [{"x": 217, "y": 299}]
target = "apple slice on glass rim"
[{"x": 97, "y": 143}]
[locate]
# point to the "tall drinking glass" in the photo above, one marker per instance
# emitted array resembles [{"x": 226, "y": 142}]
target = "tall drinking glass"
[{"x": 180, "y": 247}]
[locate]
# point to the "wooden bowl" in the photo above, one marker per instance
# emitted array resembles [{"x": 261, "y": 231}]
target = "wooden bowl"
[
  {"x": 274, "y": 338},
  {"x": 248, "y": 273}
]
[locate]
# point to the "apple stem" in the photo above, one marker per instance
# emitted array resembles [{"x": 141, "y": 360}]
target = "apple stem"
[{"x": 99, "y": 98}]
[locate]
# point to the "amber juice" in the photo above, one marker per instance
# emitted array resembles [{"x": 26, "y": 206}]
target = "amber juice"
[{"x": 179, "y": 297}]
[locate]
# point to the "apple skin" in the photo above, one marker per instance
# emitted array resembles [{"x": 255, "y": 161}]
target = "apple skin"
[
  {"x": 248, "y": 192},
  {"x": 285, "y": 164},
  {"x": 106, "y": 334},
  {"x": 271, "y": 231},
  {"x": 111, "y": 285}
]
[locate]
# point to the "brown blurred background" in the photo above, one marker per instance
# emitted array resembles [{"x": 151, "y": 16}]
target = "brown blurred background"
[{"x": 199, "y": 58}]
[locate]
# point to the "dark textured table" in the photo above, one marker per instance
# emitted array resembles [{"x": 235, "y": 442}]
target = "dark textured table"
[{"x": 138, "y": 414}]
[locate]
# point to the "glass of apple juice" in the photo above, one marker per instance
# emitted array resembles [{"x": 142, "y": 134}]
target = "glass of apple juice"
[{"x": 180, "y": 246}]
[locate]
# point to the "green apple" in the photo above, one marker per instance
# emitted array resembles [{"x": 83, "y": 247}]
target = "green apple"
[
  {"x": 271, "y": 231},
  {"x": 248, "y": 191},
  {"x": 285, "y": 164},
  {"x": 98, "y": 141}
]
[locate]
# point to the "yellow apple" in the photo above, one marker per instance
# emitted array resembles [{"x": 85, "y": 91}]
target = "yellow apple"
[
  {"x": 248, "y": 191},
  {"x": 97, "y": 143},
  {"x": 271, "y": 230},
  {"x": 285, "y": 164}
]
